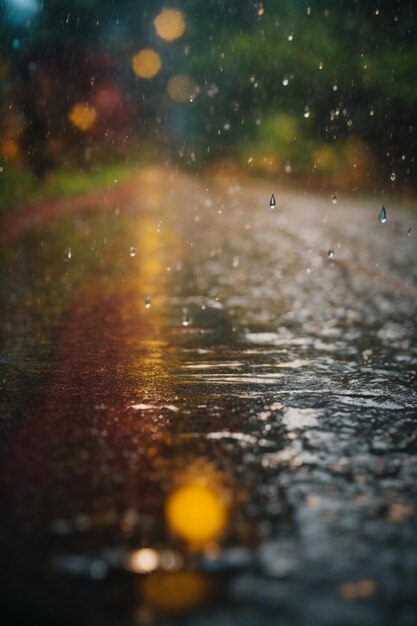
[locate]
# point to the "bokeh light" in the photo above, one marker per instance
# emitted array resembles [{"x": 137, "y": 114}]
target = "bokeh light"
[
  {"x": 168, "y": 592},
  {"x": 146, "y": 63},
  {"x": 170, "y": 24},
  {"x": 143, "y": 561},
  {"x": 181, "y": 89},
  {"x": 197, "y": 513},
  {"x": 83, "y": 116},
  {"x": 10, "y": 149}
]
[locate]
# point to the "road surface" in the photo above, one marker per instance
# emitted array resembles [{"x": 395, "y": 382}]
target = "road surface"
[{"x": 184, "y": 335}]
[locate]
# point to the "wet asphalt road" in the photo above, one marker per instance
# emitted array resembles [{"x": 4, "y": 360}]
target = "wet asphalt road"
[{"x": 188, "y": 329}]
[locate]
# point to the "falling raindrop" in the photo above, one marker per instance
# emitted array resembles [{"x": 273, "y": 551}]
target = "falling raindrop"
[
  {"x": 272, "y": 202},
  {"x": 132, "y": 251},
  {"x": 382, "y": 215},
  {"x": 330, "y": 254},
  {"x": 68, "y": 254},
  {"x": 334, "y": 199},
  {"x": 393, "y": 176},
  {"x": 409, "y": 232},
  {"x": 306, "y": 111},
  {"x": 148, "y": 302},
  {"x": 308, "y": 269},
  {"x": 235, "y": 262},
  {"x": 185, "y": 318}
]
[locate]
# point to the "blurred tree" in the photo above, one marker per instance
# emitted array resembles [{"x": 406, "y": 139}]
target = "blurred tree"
[{"x": 338, "y": 72}]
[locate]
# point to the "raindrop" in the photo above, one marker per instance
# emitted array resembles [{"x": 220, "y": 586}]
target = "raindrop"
[
  {"x": 235, "y": 262},
  {"x": 334, "y": 199},
  {"x": 148, "y": 302},
  {"x": 308, "y": 269},
  {"x": 330, "y": 254},
  {"x": 409, "y": 232},
  {"x": 306, "y": 111},
  {"x": 132, "y": 251},
  {"x": 382, "y": 215},
  {"x": 68, "y": 254},
  {"x": 272, "y": 202},
  {"x": 393, "y": 176},
  {"x": 285, "y": 82},
  {"x": 185, "y": 318}
]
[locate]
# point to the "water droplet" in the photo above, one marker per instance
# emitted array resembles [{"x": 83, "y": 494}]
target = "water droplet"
[
  {"x": 306, "y": 111},
  {"x": 291, "y": 37},
  {"x": 382, "y": 215},
  {"x": 393, "y": 176},
  {"x": 272, "y": 202},
  {"x": 409, "y": 232},
  {"x": 148, "y": 302},
  {"x": 321, "y": 65},
  {"x": 330, "y": 254},
  {"x": 334, "y": 199},
  {"x": 185, "y": 318},
  {"x": 68, "y": 254},
  {"x": 132, "y": 251},
  {"x": 285, "y": 82},
  {"x": 235, "y": 262},
  {"x": 308, "y": 269}
]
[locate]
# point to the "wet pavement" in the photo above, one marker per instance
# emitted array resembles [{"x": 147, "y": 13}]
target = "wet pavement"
[{"x": 188, "y": 353}]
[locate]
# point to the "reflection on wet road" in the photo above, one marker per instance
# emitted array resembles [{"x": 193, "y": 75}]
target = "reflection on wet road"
[{"x": 208, "y": 386}]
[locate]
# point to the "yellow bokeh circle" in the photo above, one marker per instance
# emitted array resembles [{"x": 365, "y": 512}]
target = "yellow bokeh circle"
[
  {"x": 181, "y": 89},
  {"x": 175, "y": 592},
  {"x": 170, "y": 24},
  {"x": 146, "y": 63},
  {"x": 82, "y": 116},
  {"x": 196, "y": 513}
]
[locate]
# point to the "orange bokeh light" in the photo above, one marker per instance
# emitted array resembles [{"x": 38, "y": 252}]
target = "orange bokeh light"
[
  {"x": 181, "y": 89},
  {"x": 82, "y": 116},
  {"x": 170, "y": 24},
  {"x": 197, "y": 513},
  {"x": 146, "y": 63},
  {"x": 175, "y": 592},
  {"x": 10, "y": 149}
]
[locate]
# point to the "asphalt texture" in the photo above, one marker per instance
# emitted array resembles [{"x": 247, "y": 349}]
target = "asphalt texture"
[{"x": 185, "y": 329}]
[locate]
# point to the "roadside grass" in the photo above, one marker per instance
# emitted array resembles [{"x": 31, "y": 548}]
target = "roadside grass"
[{"x": 19, "y": 187}]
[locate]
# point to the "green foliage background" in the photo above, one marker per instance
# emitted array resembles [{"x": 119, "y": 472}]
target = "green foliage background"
[{"x": 346, "y": 115}]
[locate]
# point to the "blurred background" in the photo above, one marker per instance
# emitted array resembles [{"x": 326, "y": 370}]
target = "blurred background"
[{"x": 319, "y": 93}]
